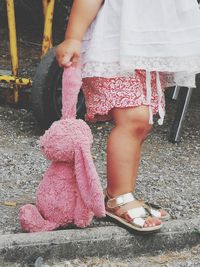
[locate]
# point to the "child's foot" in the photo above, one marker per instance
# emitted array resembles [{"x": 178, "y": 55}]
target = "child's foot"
[
  {"x": 131, "y": 212},
  {"x": 156, "y": 211}
]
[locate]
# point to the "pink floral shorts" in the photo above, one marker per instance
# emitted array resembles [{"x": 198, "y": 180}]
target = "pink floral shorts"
[{"x": 103, "y": 94}]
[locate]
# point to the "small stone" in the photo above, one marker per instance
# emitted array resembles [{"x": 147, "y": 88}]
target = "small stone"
[{"x": 39, "y": 262}]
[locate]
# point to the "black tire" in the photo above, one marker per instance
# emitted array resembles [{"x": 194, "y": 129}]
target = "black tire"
[{"x": 46, "y": 95}]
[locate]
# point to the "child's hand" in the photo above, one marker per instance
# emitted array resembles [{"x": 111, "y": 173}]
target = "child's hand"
[{"x": 68, "y": 52}]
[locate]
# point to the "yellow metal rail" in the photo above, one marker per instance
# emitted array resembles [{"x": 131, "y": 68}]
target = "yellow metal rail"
[
  {"x": 48, "y": 8},
  {"x": 12, "y": 36},
  {"x": 13, "y": 44},
  {"x": 14, "y": 80}
]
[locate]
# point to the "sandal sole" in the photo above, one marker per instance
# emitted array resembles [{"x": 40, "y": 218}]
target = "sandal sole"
[{"x": 131, "y": 226}]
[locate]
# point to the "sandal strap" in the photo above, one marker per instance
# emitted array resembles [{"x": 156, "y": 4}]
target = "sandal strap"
[
  {"x": 153, "y": 209},
  {"x": 138, "y": 216},
  {"x": 138, "y": 222},
  {"x": 137, "y": 213},
  {"x": 120, "y": 200}
]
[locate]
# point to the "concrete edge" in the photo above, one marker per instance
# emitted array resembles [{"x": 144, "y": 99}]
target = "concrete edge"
[{"x": 98, "y": 241}]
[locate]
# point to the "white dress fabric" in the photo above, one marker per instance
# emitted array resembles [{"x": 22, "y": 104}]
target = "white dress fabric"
[{"x": 157, "y": 35}]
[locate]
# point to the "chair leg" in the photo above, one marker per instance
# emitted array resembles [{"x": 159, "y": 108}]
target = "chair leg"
[
  {"x": 176, "y": 92},
  {"x": 183, "y": 99}
]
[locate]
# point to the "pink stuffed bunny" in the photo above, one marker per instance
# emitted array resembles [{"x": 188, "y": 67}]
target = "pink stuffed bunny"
[{"x": 70, "y": 191}]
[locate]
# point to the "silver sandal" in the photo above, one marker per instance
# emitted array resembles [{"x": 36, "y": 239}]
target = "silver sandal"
[{"x": 128, "y": 211}]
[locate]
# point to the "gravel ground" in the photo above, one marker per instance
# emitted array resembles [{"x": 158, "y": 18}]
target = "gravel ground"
[
  {"x": 169, "y": 174},
  {"x": 185, "y": 258}
]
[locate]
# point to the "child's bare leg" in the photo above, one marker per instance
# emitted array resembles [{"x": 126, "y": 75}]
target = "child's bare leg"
[{"x": 124, "y": 148}]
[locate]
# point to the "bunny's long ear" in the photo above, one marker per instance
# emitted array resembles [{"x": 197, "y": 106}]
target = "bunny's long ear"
[
  {"x": 88, "y": 181},
  {"x": 71, "y": 84}
]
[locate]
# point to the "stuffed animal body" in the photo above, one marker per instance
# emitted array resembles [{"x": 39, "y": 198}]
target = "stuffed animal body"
[{"x": 70, "y": 191}]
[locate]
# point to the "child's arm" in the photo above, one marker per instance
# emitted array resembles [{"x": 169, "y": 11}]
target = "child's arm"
[{"x": 82, "y": 14}]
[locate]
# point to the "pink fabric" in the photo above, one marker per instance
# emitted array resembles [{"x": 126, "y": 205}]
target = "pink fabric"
[
  {"x": 71, "y": 84},
  {"x": 103, "y": 94},
  {"x": 70, "y": 191}
]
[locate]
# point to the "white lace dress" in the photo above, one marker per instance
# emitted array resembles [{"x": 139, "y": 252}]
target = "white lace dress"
[{"x": 161, "y": 36}]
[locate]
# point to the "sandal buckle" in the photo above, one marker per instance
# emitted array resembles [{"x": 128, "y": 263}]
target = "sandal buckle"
[{"x": 120, "y": 200}]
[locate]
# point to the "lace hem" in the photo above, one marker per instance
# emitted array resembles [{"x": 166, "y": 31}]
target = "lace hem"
[{"x": 177, "y": 71}]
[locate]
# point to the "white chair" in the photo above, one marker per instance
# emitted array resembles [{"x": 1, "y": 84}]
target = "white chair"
[{"x": 183, "y": 98}]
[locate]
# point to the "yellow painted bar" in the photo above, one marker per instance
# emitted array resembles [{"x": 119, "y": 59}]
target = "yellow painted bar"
[
  {"x": 45, "y": 4},
  {"x": 47, "y": 36},
  {"x": 12, "y": 36},
  {"x": 13, "y": 44},
  {"x": 15, "y": 80}
]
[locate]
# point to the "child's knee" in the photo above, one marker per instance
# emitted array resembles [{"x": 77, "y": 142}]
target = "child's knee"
[
  {"x": 135, "y": 121},
  {"x": 141, "y": 130}
]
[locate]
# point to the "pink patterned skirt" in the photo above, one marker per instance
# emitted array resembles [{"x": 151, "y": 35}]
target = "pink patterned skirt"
[{"x": 103, "y": 94}]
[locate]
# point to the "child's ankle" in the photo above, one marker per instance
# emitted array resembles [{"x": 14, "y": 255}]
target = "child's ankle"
[{"x": 112, "y": 194}]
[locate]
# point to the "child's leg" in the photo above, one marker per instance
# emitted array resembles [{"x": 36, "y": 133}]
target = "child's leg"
[
  {"x": 123, "y": 151},
  {"x": 124, "y": 148}
]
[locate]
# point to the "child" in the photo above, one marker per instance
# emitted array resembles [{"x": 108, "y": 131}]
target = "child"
[{"x": 130, "y": 50}]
